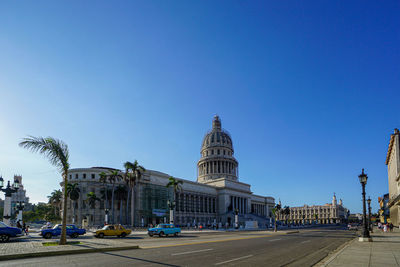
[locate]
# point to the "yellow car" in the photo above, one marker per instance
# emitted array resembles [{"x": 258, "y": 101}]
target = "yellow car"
[{"x": 112, "y": 230}]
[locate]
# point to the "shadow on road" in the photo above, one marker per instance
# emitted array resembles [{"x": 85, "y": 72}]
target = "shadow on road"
[{"x": 143, "y": 260}]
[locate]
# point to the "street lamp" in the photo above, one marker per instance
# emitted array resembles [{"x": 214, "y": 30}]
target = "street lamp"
[
  {"x": 19, "y": 207},
  {"x": 171, "y": 205},
  {"x": 7, "y": 201},
  {"x": 106, "y": 215},
  {"x": 365, "y": 234},
  {"x": 369, "y": 214}
]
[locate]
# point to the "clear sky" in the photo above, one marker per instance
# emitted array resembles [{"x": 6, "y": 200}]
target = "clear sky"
[{"x": 309, "y": 90}]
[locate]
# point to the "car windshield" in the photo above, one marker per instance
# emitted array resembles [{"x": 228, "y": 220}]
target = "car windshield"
[
  {"x": 57, "y": 226},
  {"x": 105, "y": 227},
  {"x": 160, "y": 226},
  {"x": 2, "y": 225}
]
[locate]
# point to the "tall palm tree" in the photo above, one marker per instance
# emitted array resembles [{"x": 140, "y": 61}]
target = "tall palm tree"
[
  {"x": 103, "y": 179},
  {"x": 57, "y": 153},
  {"x": 73, "y": 193},
  {"x": 120, "y": 194},
  {"x": 276, "y": 210},
  {"x": 113, "y": 177},
  {"x": 55, "y": 199},
  {"x": 177, "y": 186},
  {"x": 133, "y": 173},
  {"x": 286, "y": 212},
  {"x": 91, "y": 199}
]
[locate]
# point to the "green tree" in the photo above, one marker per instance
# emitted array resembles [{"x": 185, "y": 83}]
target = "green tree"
[
  {"x": 73, "y": 192},
  {"x": 176, "y": 186},
  {"x": 286, "y": 213},
  {"x": 91, "y": 199},
  {"x": 113, "y": 177},
  {"x": 57, "y": 153},
  {"x": 55, "y": 199},
  {"x": 276, "y": 210},
  {"x": 133, "y": 173}
]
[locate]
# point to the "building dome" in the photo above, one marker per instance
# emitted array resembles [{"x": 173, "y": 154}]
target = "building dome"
[{"x": 217, "y": 159}]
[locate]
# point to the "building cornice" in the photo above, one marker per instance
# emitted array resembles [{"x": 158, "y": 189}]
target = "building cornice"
[{"x": 391, "y": 143}]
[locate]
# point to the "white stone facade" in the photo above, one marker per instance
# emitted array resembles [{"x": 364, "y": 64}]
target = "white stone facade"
[
  {"x": 213, "y": 199},
  {"x": 321, "y": 214},
  {"x": 393, "y": 165}
]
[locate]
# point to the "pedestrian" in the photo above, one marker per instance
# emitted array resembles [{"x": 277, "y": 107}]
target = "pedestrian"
[
  {"x": 19, "y": 225},
  {"x": 24, "y": 227},
  {"x": 391, "y": 227},
  {"x": 27, "y": 230},
  {"x": 385, "y": 228}
]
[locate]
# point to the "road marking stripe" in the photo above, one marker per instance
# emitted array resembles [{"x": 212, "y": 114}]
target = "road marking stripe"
[
  {"x": 189, "y": 252},
  {"x": 203, "y": 242},
  {"x": 241, "y": 258},
  {"x": 306, "y": 241},
  {"x": 275, "y": 239}
]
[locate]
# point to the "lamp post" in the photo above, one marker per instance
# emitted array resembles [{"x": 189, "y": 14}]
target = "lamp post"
[
  {"x": 106, "y": 216},
  {"x": 19, "y": 207},
  {"x": 7, "y": 201},
  {"x": 369, "y": 214},
  {"x": 171, "y": 206},
  {"x": 365, "y": 233},
  {"x": 236, "y": 218}
]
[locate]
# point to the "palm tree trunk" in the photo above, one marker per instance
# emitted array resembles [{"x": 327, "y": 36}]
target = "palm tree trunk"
[
  {"x": 127, "y": 206},
  {"x": 120, "y": 211},
  {"x": 112, "y": 204},
  {"x": 132, "y": 207},
  {"x": 63, "y": 238}
]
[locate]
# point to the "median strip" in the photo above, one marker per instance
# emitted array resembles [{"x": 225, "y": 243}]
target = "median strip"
[{"x": 63, "y": 252}]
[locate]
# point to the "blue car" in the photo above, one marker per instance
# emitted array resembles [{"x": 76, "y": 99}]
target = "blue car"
[
  {"x": 164, "y": 230},
  {"x": 72, "y": 231},
  {"x": 6, "y": 232}
]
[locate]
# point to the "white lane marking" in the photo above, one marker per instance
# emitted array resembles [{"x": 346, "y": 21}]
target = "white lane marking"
[
  {"x": 241, "y": 258},
  {"x": 189, "y": 252},
  {"x": 275, "y": 239},
  {"x": 305, "y": 241}
]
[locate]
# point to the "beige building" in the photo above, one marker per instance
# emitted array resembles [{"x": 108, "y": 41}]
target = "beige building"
[
  {"x": 393, "y": 163},
  {"x": 212, "y": 199},
  {"x": 321, "y": 214}
]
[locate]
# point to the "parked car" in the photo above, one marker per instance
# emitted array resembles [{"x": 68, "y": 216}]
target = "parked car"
[
  {"x": 6, "y": 232},
  {"x": 112, "y": 230},
  {"x": 72, "y": 231},
  {"x": 164, "y": 230}
]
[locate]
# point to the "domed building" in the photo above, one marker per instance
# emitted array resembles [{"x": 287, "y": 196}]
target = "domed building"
[{"x": 214, "y": 199}]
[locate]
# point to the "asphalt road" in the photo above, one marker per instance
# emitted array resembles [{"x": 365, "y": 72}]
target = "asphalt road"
[{"x": 300, "y": 249}]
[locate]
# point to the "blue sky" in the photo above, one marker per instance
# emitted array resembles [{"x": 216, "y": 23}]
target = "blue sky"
[{"x": 309, "y": 90}]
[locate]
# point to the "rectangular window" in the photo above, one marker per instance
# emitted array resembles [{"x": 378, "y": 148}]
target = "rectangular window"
[
  {"x": 212, "y": 152},
  {"x": 93, "y": 176},
  {"x": 84, "y": 176},
  {"x": 76, "y": 176},
  {"x": 218, "y": 151}
]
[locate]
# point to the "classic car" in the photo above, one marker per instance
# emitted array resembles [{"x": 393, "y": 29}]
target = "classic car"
[
  {"x": 6, "y": 232},
  {"x": 72, "y": 231},
  {"x": 113, "y": 230},
  {"x": 164, "y": 230}
]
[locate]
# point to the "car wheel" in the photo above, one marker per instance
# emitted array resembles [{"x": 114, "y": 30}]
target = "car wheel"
[
  {"x": 151, "y": 235},
  {"x": 123, "y": 234},
  {"x": 101, "y": 235},
  {"x": 161, "y": 234},
  {"x": 47, "y": 235},
  {"x": 4, "y": 238},
  {"x": 74, "y": 235},
  {"x": 176, "y": 234}
]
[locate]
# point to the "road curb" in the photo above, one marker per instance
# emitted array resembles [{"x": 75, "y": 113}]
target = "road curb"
[
  {"x": 328, "y": 259},
  {"x": 63, "y": 252}
]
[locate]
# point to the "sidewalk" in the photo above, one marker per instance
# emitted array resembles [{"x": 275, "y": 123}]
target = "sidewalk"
[{"x": 383, "y": 251}]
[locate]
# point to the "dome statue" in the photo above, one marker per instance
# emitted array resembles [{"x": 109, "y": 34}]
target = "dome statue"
[{"x": 217, "y": 159}]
